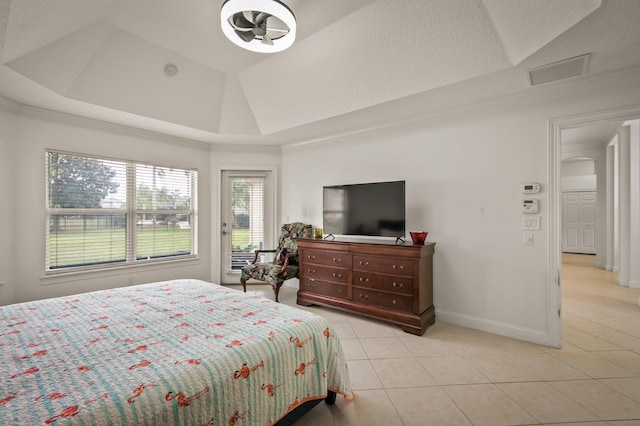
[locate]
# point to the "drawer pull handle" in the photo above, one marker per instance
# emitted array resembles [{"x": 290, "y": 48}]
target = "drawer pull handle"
[
  {"x": 364, "y": 297},
  {"x": 337, "y": 260},
  {"x": 311, "y": 257},
  {"x": 313, "y": 271},
  {"x": 364, "y": 280},
  {"x": 364, "y": 263},
  {"x": 396, "y": 285},
  {"x": 394, "y": 301},
  {"x": 337, "y": 275},
  {"x": 311, "y": 285},
  {"x": 401, "y": 267},
  {"x": 312, "y": 279},
  {"x": 339, "y": 290}
]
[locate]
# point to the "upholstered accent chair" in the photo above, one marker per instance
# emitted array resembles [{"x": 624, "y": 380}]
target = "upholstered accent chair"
[{"x": 285, "y": 263}]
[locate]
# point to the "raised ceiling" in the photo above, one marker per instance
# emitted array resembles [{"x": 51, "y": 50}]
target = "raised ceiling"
[{"x": 354, "y": 63}]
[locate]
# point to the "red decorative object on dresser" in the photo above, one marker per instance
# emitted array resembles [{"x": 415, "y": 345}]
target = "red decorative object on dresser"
[{"x": 381, "y": 280}]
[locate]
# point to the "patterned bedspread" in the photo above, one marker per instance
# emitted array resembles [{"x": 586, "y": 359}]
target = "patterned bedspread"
[{"x": 175, "y": 352}]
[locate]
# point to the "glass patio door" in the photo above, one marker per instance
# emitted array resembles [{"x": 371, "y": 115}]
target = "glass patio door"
[{"x": 247, "y": 212}]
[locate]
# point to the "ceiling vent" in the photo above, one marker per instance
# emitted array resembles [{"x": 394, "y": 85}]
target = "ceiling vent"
[{"x": 571, "y": 67}]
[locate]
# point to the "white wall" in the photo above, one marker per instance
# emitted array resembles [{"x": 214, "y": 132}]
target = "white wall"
[
  {"x": 581, "y": 167},
  {"x": 38, "y": 130},
  {"x": 634, "y": 188},
  {"x": 463, "y": 175},
  {"x": 579, "y": 183},
  {"x": 578, "y": 175},
  {"x": 8, "y": 138}
]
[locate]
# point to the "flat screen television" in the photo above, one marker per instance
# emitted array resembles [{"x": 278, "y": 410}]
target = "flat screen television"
[{"x": 368, "y": 209}]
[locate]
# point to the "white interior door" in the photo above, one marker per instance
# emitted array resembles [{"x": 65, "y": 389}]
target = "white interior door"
[
  {"x": 579, "y": 222},
  {"x": 247, "y": 212}
]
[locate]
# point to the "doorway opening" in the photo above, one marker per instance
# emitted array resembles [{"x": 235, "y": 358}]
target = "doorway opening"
[{"x": 562, "y": 133}]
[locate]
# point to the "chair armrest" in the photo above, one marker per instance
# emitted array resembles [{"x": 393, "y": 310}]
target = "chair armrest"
[{"x": 261, "y": 251}]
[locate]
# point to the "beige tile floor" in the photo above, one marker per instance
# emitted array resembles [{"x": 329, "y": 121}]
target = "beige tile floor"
[{"x": 458, "y": 376}]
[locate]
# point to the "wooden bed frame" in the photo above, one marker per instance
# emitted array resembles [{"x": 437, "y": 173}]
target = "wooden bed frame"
[{"x": 296, "y": 414}]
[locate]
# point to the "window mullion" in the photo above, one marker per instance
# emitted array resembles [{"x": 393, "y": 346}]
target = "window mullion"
[{"x": 131, "y": 213}]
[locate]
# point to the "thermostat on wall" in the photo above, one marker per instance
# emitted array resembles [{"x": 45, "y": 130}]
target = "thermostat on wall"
[
  {"x": 530, "y": 206},
  {"x": 530, "y": 188}
]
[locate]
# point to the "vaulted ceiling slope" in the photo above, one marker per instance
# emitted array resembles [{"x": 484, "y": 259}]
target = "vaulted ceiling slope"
[{"x": 106, "y": 59}]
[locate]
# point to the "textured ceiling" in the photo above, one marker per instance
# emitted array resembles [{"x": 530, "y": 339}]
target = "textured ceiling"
[{"x": 356, "y": 61}]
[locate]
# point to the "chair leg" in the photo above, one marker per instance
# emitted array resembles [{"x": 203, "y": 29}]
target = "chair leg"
[
  {"x": 276, "y": 290},
  {"x": 244, "y": 284}
]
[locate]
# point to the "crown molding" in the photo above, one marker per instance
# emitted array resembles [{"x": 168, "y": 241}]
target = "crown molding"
[
  {"x": 48, "y": 114},
  {"x": 9, "y": 105}
]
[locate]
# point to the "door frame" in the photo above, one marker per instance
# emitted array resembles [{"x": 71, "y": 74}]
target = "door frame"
[
  {"x": 216, "y": 220},
  {"x": 554, "y": 250}
]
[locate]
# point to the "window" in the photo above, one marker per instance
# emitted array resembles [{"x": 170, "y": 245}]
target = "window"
[{"x": 104, "y": 213}]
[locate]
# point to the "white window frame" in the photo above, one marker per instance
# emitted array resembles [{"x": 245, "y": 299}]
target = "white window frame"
[{"x": 131, "y": 213}]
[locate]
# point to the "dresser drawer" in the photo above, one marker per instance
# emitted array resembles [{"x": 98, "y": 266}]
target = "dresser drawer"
[
  {"x": 397, "y": 302},
  {"x": 326, "y": 258},
  {"x": 339, "y": 291},
  {"x": 389, "y": 283},
  {"x": 384, "y": 265},
  {"x": 324, "y": 273}
]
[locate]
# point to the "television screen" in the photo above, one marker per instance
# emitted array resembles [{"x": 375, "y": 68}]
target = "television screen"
[{"x": 371, "y": 209}]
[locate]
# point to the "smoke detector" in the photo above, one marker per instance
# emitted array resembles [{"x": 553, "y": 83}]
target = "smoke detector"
[{"x": 170, "y": 70}]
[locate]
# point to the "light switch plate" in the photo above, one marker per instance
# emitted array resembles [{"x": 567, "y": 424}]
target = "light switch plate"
[
  {"x": 531, "y": 223},
  {"x": 527, "y": 239}
]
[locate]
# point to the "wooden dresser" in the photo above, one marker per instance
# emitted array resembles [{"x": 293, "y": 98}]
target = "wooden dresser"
[{"x": 380, "y": 280}]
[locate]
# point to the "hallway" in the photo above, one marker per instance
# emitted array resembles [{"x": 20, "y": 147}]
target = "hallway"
[{"x": 598, "y": 314}]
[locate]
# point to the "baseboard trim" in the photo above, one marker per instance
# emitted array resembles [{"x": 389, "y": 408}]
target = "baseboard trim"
[
  {"x": 634, "y": 284},
  {"x": 600, "y": 265},
  {"x": 622, "y": 282},
  {"x": 496, "y": 327}
]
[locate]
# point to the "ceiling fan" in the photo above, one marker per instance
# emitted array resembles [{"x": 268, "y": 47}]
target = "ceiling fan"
[{"x": 258, "y": 25}]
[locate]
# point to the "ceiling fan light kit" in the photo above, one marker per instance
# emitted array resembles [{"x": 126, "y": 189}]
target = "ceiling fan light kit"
[{"x": 264, "y": 26}]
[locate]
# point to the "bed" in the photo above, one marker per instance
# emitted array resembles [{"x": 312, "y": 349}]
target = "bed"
[{"x": 176, "y": 352}]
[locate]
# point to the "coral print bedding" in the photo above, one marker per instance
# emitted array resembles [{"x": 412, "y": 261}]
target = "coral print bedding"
[{"x": 177, "y": 352}]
